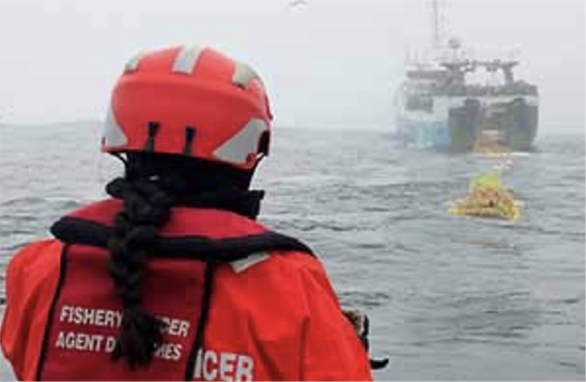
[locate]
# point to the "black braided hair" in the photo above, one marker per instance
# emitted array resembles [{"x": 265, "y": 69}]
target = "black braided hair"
[
  {"x": 152, "y": 184},
  {"x": 146, "y": 208}
]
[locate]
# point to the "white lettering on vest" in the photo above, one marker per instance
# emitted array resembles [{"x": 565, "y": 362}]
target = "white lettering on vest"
[
  {"x": 175, "y": 327},
  {"x": 169, "y": 351},
  {"x": 244, "y": 368},
  {"x": 79, "y": 341},
  {"x": 226, "y": 366},
  {"x": 86, "y": 316},
  {"x": 207, "y": 357},
  {"x": 110, "y": 344},
  {"x": 110, "y": 319},
  {"x": 82, "y": 339},
  {"x": 113, "y": 319}
]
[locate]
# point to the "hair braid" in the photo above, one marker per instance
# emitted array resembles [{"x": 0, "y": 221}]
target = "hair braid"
[{"x": 146, "y": 208}]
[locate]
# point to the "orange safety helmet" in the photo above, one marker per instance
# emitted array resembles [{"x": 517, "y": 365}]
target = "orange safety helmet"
[{"x": 190, "y": 101}]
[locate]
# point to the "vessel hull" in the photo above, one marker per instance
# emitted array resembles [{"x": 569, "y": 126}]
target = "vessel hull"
[{"x": 511, "y": 123}]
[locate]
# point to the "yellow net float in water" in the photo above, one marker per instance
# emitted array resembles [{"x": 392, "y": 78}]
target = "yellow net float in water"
[{"x": 487, "y": 197}]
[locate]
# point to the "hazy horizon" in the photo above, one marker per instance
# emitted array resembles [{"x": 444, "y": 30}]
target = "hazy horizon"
[{"x": 326, "y": 64}]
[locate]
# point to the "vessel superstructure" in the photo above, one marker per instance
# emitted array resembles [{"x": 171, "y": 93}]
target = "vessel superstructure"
[{"x": 437, "y": 106}]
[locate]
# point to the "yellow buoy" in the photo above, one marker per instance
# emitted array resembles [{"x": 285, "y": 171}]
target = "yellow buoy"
[{"x": 487, "y": 197}]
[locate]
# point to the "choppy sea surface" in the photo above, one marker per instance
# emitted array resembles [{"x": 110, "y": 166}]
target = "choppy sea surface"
[{"x": 449, "y": 298}]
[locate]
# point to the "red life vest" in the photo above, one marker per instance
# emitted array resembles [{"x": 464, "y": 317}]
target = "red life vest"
[{"x": 86, "y": 313}]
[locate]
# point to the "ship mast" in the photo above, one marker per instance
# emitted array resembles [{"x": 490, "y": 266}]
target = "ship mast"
[{"x": 437, "y": 23}]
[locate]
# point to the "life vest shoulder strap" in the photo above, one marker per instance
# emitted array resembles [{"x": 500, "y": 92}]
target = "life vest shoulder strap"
[{"x": 74, "y": 230}]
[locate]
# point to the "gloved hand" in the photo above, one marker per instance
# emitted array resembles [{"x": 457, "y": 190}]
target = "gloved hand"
[{"x": 361, "y": 325}]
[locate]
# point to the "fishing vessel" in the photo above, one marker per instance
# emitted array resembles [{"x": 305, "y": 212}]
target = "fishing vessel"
[{"x": 437, "y": 106}]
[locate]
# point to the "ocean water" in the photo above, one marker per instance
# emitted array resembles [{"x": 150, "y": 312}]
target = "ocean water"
[{"x": 449, "y": 298}]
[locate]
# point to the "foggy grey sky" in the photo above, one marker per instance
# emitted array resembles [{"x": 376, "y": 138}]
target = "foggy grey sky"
[{"x": 325, "y": 64}]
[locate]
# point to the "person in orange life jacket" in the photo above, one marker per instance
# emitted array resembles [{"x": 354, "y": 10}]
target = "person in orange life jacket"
[{"x": 172, "y": 277}]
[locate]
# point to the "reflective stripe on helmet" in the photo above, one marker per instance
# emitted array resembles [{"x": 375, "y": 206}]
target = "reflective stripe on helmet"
[
  {"x": 112, "y": 132},
  {"x": 243, "y": 74},
  {"x": 237, "y": 149},
  {"x": 132, "y": 64},
  {"x": 186, "y": 59}
]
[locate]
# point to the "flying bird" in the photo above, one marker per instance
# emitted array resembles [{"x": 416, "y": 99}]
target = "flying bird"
[{"x": 298, "y": 3}]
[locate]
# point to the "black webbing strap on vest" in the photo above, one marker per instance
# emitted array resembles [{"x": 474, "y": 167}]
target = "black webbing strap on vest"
[
  {"x": 80, "y": 231},
  {"x": 203, "y": 320},
  {"x": 45, "y": 343}
]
